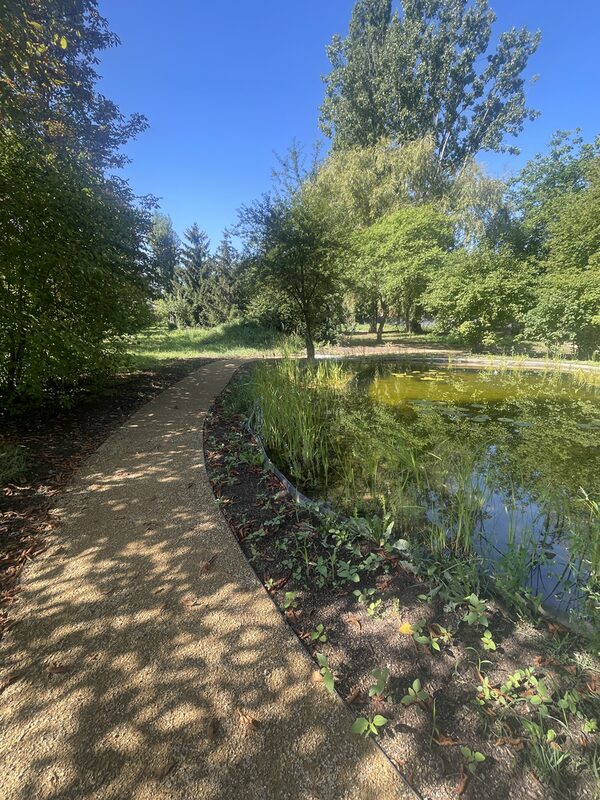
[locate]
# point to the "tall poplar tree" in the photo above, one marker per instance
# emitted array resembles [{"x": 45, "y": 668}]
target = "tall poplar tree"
[{"x": 429, "y": 68}]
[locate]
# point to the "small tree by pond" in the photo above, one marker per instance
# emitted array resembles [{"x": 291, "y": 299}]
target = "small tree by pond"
[{"x": 296, "y": 247}]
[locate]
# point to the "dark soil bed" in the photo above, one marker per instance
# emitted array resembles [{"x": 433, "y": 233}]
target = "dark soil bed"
[
  {"x": 56, "y": 442},
  {"x": 424, "y": 738}
]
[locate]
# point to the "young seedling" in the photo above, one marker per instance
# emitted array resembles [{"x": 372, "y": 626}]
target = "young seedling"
[
  {"x": 382, "y": 677},
  {"x": 363, "y": 596},
  {"x": 326, "y": 671},
  {"x": 487, "y": 641},
  {"x": 364, "y": 726},
  {"x": 319, "y": 635},
  {"x": 416, "y": 695},
  {"x": 348, "y": 571},
  {"x": 476, "y": 614},
  {"x": 472, "y": 758},
  {"x": 290, "y": 601}
]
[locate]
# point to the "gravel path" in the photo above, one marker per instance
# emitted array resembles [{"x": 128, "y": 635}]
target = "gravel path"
[{"x": 148, "y": 662}]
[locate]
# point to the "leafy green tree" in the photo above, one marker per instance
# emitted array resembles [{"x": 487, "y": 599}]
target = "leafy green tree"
[
  {"x": 428, "y": 69},
  {"x": 568, "y": 295},
  {"x": 73, "y": 270},
  {"x": 48, "y": 79},
  {"x": 165, "y": 248},
  {"x": 294, "y": 248},
  {"x": 537, "y": 194},
  {"x": 396, "y": 257},
  {"x": 66, "y": 299},
  {"x": 481, "y": 295}
]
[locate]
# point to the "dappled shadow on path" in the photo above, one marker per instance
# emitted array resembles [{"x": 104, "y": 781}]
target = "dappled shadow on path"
[{"x": 148, "y": 662}]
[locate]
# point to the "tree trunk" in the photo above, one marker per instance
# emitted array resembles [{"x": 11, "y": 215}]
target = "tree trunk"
[
  {"x": 373, "y": 323},
  {"x": 382, "y": 321},
  {"x": 310, "y": 347}
]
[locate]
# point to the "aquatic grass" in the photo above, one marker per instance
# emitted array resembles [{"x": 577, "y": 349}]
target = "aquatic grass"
[{"x": 431, "y": 469}]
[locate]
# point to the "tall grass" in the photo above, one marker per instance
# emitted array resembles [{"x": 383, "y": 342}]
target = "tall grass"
[{"x": 339, "y": 445}]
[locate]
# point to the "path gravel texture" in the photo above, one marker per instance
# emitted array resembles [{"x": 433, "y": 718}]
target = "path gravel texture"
[{"x": 148, "y": 662}]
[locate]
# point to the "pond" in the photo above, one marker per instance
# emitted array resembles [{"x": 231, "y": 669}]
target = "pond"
[
  {"x": 495, "y": 470},
  {"x": 526, "y": 448}
]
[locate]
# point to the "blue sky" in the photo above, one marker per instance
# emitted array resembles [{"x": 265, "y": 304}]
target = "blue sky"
[{"x": 225, "y": 84}]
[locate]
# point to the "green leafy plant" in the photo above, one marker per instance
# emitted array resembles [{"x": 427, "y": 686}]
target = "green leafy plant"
[
  {"x": 326, "y": 671},
  {"x": 472, "y": 758},
  {"x": 365, "y": 726},
  {"x": 290, "y": 601},
  {"x": 476, "y": 612},
  {"x": 382, "y": 677},
  {"x": 348, "y": 571},
  {"x": 487, "y": 641},
  {"x": 415, "y": 695},
  {"x": 319, "y": 635}
]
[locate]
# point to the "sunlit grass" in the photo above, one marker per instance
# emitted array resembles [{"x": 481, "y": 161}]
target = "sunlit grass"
[{"x": 232, "y": 339}]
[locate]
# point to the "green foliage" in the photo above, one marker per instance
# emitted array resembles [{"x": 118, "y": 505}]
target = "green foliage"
[
  {"x": 367, "y": 726},
  {"x": 380, "y": 686},
  {"x": 47, "y": 80},
  {"x": 472, "y": 758},
  {"x": 326, "y": 672},
  {"x": 396, "y": 257},
  {"x": 476, "y": 611},
  {"x": 73, "y": 270},
  {"x": 165, "y": 248},
  {"x": 418, "y": 72},
  {"x": 66, "y": 301},
  {"x": 481, "y": 296},
  {"x": 319, "y": 635},
  {"x": 296, "y": 247},
  {"x": 415, "y": 695}
]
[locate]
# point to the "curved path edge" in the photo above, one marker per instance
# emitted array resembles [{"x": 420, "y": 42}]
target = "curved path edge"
[{"x": 148, "y": 661}]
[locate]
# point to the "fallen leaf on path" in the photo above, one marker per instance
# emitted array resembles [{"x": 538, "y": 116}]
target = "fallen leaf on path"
[
  {"x": 57, "y": 669},
  {"x": 191, "y": 601},
  {"x": 463, "y": 783},
  {"x": 211, "y": 729},
  {"x": 356, "y": 622}
]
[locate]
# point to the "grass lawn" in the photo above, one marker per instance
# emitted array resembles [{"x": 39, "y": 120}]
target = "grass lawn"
[{"x": 233, "y": 339}]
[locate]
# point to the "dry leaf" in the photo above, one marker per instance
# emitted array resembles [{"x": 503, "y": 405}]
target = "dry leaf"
[
  {"x": 462, "y": 784},
  {"x": 56, "y": 669},
  {"x": 355, "y": 621},
  {"x": 316, "y": 676},
  {"x": 512, "y": 741},
  {"x": 211, "y": 729},
  {"x": 191, "y": 601},
  {"x": 10, "y": 679},
  {"x": 445, "y": 741}
]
